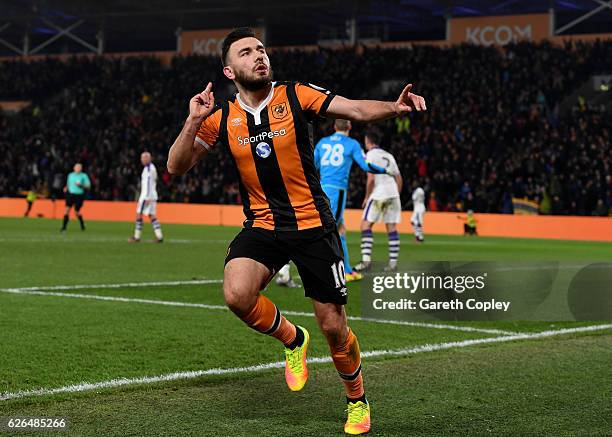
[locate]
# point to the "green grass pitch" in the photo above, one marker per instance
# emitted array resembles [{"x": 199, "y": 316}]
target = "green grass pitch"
[{"x": 547, "y": 385}]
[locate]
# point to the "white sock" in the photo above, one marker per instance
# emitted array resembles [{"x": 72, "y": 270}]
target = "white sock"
[
  {"x": 394, "y": 247},
  {"x": 138, "y": 230},
  {"x": 157, "y": 229},
  {"x": 367, "y": 241}
]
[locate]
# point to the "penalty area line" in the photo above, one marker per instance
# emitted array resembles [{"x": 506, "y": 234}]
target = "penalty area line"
[
  {"x": 121, "y": 285},
  {"x": 120, "y": 382},
  {"x": 47, "y": 291}
]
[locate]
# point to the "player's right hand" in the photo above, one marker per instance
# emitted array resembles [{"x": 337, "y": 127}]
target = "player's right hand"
[{"x": 202, "y": 104}]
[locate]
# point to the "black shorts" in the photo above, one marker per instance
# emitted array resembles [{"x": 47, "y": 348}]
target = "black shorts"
[
  {"x": 75, "y": 200},
  {"x": 317, "y": 254}
]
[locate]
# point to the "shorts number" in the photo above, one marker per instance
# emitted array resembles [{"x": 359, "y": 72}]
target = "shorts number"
[
  {"x": 339, "y": 274},
  {"x": 333, "y": 155}
]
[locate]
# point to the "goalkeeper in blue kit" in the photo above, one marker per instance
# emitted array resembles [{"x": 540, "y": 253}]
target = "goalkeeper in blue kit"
[{"x": 334, "y": 156}]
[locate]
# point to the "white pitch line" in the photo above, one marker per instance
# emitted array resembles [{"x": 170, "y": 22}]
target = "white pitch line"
[
  {"x": 116, "y": 299},
  {"x": 40, "y": 291},
  {"x": 123, "y": 285},
  {"x": 415, "y": 324},
  {"x": 435, "y": 326},
  {"x": 66, "y": 239},
  {"x": 119, "y": 382}
]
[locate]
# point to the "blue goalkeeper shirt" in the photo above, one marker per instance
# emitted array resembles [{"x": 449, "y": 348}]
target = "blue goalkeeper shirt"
[{"x": 334, "y": 156}]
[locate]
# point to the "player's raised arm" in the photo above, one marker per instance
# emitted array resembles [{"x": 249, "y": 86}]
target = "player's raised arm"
[
  {"x": 373, "y": 110},
  {"x": 185, "y": 151}
]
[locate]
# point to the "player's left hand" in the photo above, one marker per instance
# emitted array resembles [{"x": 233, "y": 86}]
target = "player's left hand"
[
  {"x": 408, "y": 102},
  {"x": 363, "y": 204}
]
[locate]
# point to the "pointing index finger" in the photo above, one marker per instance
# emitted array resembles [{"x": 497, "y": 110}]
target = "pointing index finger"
[{"x": 406, "y": 90}]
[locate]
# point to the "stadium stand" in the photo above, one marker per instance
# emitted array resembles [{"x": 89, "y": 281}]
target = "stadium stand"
[{"x": 501, "y": 123}]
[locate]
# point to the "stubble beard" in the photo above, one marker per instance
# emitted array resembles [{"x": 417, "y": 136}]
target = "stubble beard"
[{"x": 253, "y": 84}]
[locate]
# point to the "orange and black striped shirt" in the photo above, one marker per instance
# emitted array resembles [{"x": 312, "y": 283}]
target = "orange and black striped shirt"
[{"x": 272, "y": 149}]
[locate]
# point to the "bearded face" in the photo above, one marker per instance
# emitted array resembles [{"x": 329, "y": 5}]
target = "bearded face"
[
  {"x": 254, "y": 81},
  {"x": 249, "y": 65}
]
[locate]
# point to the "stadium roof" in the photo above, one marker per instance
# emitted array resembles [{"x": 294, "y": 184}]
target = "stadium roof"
[{"x": 151, "y": 24}]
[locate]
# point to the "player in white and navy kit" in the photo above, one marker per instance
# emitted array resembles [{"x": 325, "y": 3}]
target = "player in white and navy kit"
[
  {"x": 418, "y": 213},
  {"x": 147, "y": 202},
  {"x": 382, "y": 203}
]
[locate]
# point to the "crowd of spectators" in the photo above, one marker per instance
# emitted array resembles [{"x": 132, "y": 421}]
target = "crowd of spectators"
[{"x": 494, "y": 129}]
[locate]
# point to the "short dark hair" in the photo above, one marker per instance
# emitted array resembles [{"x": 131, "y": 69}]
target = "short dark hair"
[
  {"x": 232, "y": 37},
  {"x": 373, "y": 136}
]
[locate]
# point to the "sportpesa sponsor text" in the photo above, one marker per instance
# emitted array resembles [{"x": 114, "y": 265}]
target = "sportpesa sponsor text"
[{"x": 243, "y": 141}]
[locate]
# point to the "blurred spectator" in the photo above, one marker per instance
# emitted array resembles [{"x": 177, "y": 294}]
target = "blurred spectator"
[{"x": 476, "y": 147}]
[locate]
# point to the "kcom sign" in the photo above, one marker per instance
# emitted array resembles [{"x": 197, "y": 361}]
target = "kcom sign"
[
  {"x": 502, "y": 35},
  {"x": 208, "y": 42},
  {"x": 499, "y": 30}
]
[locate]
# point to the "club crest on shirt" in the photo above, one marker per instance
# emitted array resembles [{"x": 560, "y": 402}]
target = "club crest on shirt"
[
  {"x": 236, "y": 121},
  {"x": 279, "y": 111}
]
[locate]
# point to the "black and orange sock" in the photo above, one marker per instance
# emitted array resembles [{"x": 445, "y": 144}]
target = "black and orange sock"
[
  {"x": 299, "y": 339},
  {"x": 355, "y": 400},
  {"x": 266, "y": 318},
  {"x": 347, "y": 359}
]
